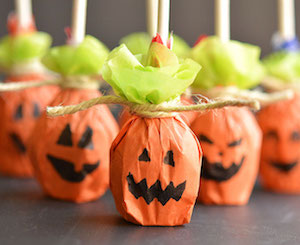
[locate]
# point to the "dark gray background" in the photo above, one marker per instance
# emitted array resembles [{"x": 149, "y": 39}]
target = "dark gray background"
[{"x": 252, "y": 21}]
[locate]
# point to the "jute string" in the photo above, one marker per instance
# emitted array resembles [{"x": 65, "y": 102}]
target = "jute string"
[
  {"x": 263, "y": 98},
  {"x": 148, "y": 110},
  {"x": 76, "y": 82}
]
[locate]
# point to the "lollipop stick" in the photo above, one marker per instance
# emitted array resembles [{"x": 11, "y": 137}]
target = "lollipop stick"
[
  {"x": 163, "y": 19},
  {"x": 78, "y": 21},
  {"x": 152, "y": 14},
  {"x": 222, "y": 19},
  {"x": 286, "y": 19},
  {"x": 24, "y": 12}
]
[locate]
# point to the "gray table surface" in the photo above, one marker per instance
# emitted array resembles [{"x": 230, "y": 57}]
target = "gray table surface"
[{"x": 28, "y": 217}]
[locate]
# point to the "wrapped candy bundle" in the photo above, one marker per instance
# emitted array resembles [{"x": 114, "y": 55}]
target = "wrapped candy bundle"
[
  {"x": 20, "y": 54},
  {"x": 230, "y": 137},
  {"x": 71, "y": 154},
  {"x": 280, "y": 122},
  {"x": 152, "y": 182}
]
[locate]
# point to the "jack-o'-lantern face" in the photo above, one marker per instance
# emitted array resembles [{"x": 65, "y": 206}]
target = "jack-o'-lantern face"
[
  {"x": 155, "y": 166},
  {"x": 215, "y": 170},
  {"x": 70, "y": 154},
  {"x": 148, "y": 193},
  {"x": 66, "y": 169},
  {"x": 280, "y": 158},
  {"x": 19, "y": 113},
  {"x": 230, "y": 139},
  {"x": 24, "y": 114}
]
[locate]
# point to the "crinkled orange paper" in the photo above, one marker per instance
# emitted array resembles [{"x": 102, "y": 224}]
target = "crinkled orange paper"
[
  {"x": 280, "y": 158},
  {"x": 155, "y": 171},
  {"x": 231, "y": 139},
  {"x": 71, "y": 153},
  {"x": 19, "y": 111}
]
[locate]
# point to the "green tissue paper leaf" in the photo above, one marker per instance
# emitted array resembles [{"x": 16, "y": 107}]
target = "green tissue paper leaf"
[
  {"x": 139, "y": 42},
  {"x": 283, "y": 65},
  {"x": 23, "y": 48},
  {"x": 229, "y": 63},
  {"x": 85, "y": 59},
  {"x": 134, "y": 80}
]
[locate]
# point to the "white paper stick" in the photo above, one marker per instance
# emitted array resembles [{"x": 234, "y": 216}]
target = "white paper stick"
[
  {"x": 152, "y": 16},
  {"x": 24, "y": 12},
  {"x": 164, "y": 19},
  {"x": 78, "y": 21},
  {"x": 222, "y": 19},
  {"x": 286, "y": 19}
]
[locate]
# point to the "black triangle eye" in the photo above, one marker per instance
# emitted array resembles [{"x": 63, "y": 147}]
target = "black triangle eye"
[
  {"x": 36, "y": 110},
  {"x": 65, "y": 137},
  {"x": 86, "y": 139},
  {"x": 19, "y": 113},
  {"x": 169, "y": 158},
  {"x": 144, "y": 157}
]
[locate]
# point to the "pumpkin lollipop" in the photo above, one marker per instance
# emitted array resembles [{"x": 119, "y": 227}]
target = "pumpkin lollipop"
[
  {"x": 71, "y": 154},
  {"x": 230, "y": 137},
  {"x": 280, "y": 122},
  {"x": 20, "y": 54},
  {"x": 138, "y": 43},
  {"x": 156, "y": 158}
]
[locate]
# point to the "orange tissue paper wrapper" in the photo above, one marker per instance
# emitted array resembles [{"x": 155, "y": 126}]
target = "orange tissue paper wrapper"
[
  {"x": 71, "y": 153},
  {"x": 231, "y": 140},
  {"x": 280, "y": 167},
  {"x": 19, "y": 111},
  {"x": 155, "y": 171}
]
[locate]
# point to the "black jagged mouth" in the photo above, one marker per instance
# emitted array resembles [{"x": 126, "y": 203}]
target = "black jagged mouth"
[
  {"x": 141, "y": 189},
  {"x": 66, "y": 170},
  {"x": 216, "y": 171},
  {"x": 18, "y": 143},
  {"x": 284, "y": 167}
]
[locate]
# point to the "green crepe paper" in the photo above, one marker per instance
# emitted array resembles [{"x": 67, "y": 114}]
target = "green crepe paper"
[
  {"x": 146, "y": 84},
  {"x": 85, "y": 59},
  {"x": 283, "y": 65},
  {"x": 139, "y": 42},
  {"x": 23, "y": 48},
  {"x": 226, "y": 64}
]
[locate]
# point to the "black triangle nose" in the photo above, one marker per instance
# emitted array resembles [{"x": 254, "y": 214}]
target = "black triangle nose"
[{"x": 220, "y": 153}]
